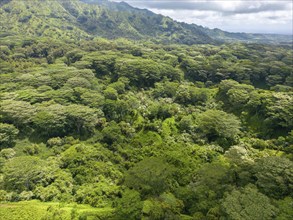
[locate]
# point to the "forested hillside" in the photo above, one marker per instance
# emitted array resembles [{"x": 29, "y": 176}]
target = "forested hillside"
[
  {"x": 75, "y": 20},
  {"x": 148, "y": 129},
  {"x": 93, "y": 128}
]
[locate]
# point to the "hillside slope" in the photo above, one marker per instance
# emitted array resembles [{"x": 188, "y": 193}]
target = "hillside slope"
[
  {"x": 83, "y": 19},
  {"x": 181, "y": 32},
  {"x": 75, "y": 19}
]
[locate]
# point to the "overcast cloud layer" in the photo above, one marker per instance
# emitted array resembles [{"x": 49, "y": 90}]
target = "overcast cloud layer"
[{"x": 259, "y": 16}]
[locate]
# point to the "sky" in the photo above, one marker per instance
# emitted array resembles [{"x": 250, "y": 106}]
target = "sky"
[{"x": 251, "y": 16}]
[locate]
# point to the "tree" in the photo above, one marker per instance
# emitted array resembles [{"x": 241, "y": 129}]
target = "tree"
[
  {"x": 112, "y": 133},
  {"x": 165, "y": 89},
  {"x": 191, "y": 95},
  {"x": 274, "y": 176},
  {"x": 23, "y": 173},
  {"x": 8, "y": 133},
  {"x": 116, "y": 110},
  {"x": 73, "y": 56},
  {"x": 100, "y": 194},
  {"x": 82, "y": 119},
  {"x": 78, "y": 82},
  {"x": 234, "y": 95},
  {"x": 86, "y": 163},
  {"x": 166, "y": 206},
  {"x": 92, "y": 99},
  {"x": 285, "y": 208},
  {"x": 208, "y": 185},
  {"x": 129, "y": 206},
  {"x": 280, "y": 111},
  {"x": 103, "y": 64},
  {"x": 110, "y": 93},
  {"x": 59, "y": 187},
  {"x": 194, "y": 71},
  {"x": 50, "y": 120},
  {"x": 19, "y": 113},
  {"x": 150, "y": 176},
  {"x": 144, "y": 72},
  {"x": 119, "y": 86},
  {"x": 218, "y": 124},
  {"x": 247, "y": 204}
]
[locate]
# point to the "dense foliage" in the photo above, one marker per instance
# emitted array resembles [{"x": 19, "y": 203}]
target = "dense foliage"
[
  {"x": 153, "y": 131},
  {"x": 137, "y": 130}
]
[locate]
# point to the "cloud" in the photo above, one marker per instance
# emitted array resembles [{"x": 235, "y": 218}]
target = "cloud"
[
  {"x": 225, "y": 6},
  {"x": 258, "y": 16}
]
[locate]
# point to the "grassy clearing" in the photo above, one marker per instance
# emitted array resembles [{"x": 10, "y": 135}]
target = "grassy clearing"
[{"x": 36, "y": 210}]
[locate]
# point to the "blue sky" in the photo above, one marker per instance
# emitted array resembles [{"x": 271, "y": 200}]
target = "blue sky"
[{"x": 258, "y": 16}]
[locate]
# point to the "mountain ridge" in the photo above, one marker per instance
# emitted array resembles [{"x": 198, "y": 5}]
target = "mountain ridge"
[
  {"x": 215, "y": 33},
  {"x": 77, "y": 19}
]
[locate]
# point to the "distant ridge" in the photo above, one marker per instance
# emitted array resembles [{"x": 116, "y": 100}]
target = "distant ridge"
[{"x": 76, "y": 19}]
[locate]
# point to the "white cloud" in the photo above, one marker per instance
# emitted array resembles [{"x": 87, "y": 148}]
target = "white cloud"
[{"x": 259, "y": 16}]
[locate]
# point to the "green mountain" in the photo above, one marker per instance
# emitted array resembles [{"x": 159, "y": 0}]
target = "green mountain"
[
  {"x": 40, "y": 18},
  {"x": 81, "y": 19},
  {"x": 248, "y": 37},
  {"x": 75, "y": 19},
  {"x": 184, "y": 30}
]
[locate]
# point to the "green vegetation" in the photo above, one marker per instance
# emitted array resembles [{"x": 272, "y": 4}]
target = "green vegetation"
[
  {"x": 35, "y": 210},
  {"x": 75, "y": 20},
  {"x": 92, "y": 128}
]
